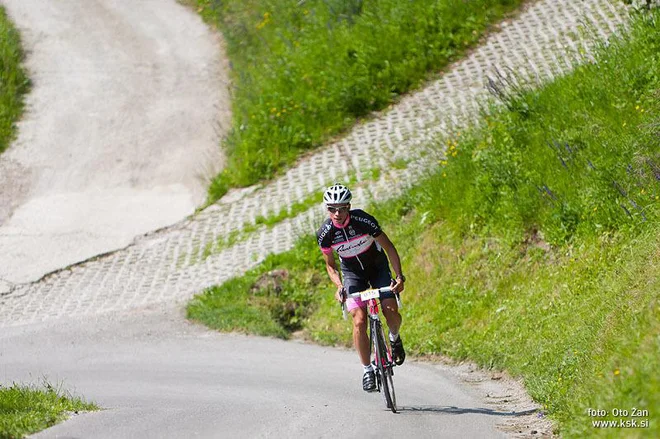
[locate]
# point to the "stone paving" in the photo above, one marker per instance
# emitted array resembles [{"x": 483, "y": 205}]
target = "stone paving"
[{"x": 171, "y": 265}]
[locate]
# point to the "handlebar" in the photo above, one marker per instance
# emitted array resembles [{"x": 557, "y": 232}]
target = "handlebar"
[
  {"x": 380, "y": 290},
  {"x": 375, "y": 292}
]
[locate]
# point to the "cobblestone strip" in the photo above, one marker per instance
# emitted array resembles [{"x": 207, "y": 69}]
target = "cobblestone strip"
[{"x": 170, "y": 265}]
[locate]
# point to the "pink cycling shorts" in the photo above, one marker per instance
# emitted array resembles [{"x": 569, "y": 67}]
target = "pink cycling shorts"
[{"x": 352, "y": 303}]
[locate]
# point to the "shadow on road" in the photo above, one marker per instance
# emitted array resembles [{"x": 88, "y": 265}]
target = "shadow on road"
[{"x": 462, "y": 411}]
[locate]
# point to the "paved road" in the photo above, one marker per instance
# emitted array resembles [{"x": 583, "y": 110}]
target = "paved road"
[
  {"x": 121, "y": 131},
  {"x": 157, "y": 375}
]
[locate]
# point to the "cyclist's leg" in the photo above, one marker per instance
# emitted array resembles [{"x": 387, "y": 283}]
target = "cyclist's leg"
[
  {"x": 391, "y": 313},
  {"x": 358, "y": 311},
  {"x": 360, "y": 337},
  {"x": 382, "y": 277}
]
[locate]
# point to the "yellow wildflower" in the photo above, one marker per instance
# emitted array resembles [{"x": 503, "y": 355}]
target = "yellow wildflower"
[{"x": 265, "y": 21}]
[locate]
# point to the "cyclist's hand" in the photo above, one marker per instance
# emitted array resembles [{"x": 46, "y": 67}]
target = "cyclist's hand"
[
  {"x": 397, "y": 285},
  {"x": 340, "y": 294}
]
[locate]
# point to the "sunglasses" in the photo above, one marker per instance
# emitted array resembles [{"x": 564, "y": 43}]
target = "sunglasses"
[{"x": 332, "y": 209}]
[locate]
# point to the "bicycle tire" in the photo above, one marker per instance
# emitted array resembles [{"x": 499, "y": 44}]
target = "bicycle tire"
[
  {"x": 373, "y": 348},
  {"x": 388, "y": 386},
  {"x": 384, "y": 368}
]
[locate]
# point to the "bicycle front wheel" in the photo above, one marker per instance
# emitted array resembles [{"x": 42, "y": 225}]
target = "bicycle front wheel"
[
  {"x": 388, "y": 388},
  {"x": 385, "y": 370}
]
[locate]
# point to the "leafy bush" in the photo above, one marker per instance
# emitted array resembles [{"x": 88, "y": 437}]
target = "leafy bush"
[{"x": 641, "y": 5}]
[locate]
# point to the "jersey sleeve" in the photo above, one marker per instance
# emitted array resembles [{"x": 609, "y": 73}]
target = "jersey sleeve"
[
  {"x": 323, "y": 238},
  {"x": 371, "y": 223}
]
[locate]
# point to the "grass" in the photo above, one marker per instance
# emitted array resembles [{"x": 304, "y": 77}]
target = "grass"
[
  {"x": 567, "y": 320},
  {"x": 14, "y": 83},
  {"x": 25, "y": 410},
  {"x": 534, "y": 247},
  {"x": 304, "y": 71},
  {"x": 264, "y": 301}
]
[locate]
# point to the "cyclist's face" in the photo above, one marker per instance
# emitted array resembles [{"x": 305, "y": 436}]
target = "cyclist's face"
[{"x": 338, "y": 212}]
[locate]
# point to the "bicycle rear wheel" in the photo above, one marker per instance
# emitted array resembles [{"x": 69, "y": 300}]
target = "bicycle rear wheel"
[{"x": 384, "y": 368}]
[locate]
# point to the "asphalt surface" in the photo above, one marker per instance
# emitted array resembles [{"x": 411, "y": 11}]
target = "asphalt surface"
[{"x": 157, "y": 375}]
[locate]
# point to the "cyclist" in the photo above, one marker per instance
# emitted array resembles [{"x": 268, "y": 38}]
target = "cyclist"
[{"x": 359, "y": 241}]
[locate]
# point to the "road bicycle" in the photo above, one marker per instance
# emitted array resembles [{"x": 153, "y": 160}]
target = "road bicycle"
[{"x": 380, "y": 348}]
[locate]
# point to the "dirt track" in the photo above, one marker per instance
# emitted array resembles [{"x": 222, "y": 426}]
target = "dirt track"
[{"x": 121, "y": 131}]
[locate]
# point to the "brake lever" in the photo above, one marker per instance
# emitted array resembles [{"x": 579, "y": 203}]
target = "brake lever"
[{"x": 343, "y": 304}]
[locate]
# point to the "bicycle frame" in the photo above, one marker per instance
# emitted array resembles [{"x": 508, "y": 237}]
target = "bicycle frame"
[{"x": 375, "y": 327}]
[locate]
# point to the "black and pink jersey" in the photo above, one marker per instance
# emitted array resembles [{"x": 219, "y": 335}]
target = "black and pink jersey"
[{"x": 353, "y": 241}]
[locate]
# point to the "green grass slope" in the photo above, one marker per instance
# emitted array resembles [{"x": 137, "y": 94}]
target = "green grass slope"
[
  {"x": 305, "y": 70},
  {"x": 533, "y": 247}
]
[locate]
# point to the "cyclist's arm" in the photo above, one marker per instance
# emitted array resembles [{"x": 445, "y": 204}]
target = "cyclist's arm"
[
  {"x": 392, "y": 255},
  {"x": 331, "y": 268}
]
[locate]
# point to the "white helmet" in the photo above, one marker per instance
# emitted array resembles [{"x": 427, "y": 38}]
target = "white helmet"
[{"x": 337, "y": 194}]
